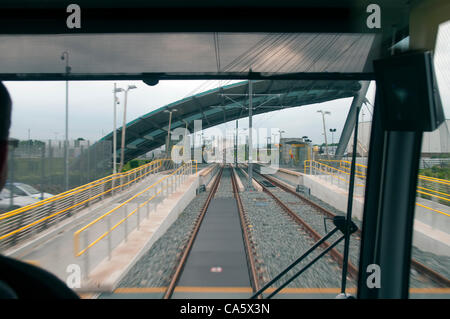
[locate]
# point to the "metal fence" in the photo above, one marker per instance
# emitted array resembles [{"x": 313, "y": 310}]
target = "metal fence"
[
  {"x": 20, "y": 224},
  {"x": 431, "y": 162},
  {"x": 337, "y": 172},
  {"x": 41, "y": 163}
]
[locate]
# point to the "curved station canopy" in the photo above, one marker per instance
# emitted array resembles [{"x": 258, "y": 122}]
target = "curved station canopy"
[{"x": 225, "y": 104}]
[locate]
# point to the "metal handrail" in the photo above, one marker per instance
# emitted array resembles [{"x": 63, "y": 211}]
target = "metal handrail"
[
  {"x": 178, "y": 172},
  {"x": 435, "y": 180},
  {"x": 435, "y": 191},
  {"x": 331, "y": 167},
  {"x": 77, "y": 189},
  {"x": 310, "y": 163},
  {"x": 424, "y": 177},
  {"x": 70, "y": 192},
  {"x": 19, "y": 224},
  {"x": 70, "y": 207}
]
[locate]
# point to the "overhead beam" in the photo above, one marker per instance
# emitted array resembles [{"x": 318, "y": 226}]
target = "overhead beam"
[
  {"x": 363, "y": 76},
  {"x": 148, "y": 138},
  {"x": 196, "y": 110},
  {"x": 32, "y": 17},
  {"x": 151, "y": 122}
]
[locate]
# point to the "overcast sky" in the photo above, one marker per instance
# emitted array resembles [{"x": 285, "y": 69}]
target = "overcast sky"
[{"x": 39, "y": 107}]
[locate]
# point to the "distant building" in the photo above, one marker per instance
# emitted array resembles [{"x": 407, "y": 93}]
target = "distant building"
[{"x": 293, "y": 151}]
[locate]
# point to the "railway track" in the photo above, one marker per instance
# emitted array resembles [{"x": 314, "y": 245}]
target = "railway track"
[
  {"x": 334, "y": 253},
  {"x": 250, "y": 258},
  {"x": 246, "y": 236},
  {"x": 352, "y": 269}
]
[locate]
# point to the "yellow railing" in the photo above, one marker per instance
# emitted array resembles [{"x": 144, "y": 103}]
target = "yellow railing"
[
  {"x": 346, "y": 165},
  {"x": 79, "y": 189},
  {"x": 172, "y": 179},
  {"x": 23, "y": 219},
  {"x": 359, "y": 168},
  {"x": 440, "y": 185},
  {"x": 330, "y": 170}
]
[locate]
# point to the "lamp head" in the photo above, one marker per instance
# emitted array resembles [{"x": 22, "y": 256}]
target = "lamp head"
[{"x": 170, "y": 111}]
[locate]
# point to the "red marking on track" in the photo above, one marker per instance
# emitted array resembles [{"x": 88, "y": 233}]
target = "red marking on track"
[{"x": 216, "y": 269}]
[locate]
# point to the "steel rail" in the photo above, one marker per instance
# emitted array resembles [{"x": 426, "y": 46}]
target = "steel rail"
[
  {"x": 430, "y": 273},
  {"x": 188, "y": 247},
  {"x": 245, "y": 234},
  {"x": 335, "y": 254}
]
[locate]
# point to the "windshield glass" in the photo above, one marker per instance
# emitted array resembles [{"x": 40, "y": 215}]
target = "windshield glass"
[{"x": 29, "y": 189}]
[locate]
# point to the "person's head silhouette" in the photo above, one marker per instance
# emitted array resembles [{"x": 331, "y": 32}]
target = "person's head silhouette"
[
  {"x": 19, "y": 279},
  {"x": 5, "y": 123}
]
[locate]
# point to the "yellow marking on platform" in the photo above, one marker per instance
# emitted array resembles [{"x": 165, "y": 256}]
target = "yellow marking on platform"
[
  {"x": 33, "y": 262},
  {"x": 311, "y": 290},
  {"x": 214, "y": 289},
  {"x": 188, "y": 289},
  {"x": 437, "y": 211},
  {"x": 86, "y": 295},
  {"x": 139, "y": 290},
  {"x": 430, "y": 290}
]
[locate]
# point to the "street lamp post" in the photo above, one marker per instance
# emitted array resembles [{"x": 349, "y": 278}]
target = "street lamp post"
[
  {"x": 236, "y": 144},
  {"x": 115, "y": 102},
  {"x": 250, "y": 137},
  {"x": 65, "y": 56},
  {"x": 324, "y": 129},
  {"x": 124, "y": 127},
  {"x": 280, "y": 147},
  {"x": 168, "y": 131},
  {"x": 332, "y": 130},
  {"x": 310, "y": 154},
  {"x": 280, "y": 131}
]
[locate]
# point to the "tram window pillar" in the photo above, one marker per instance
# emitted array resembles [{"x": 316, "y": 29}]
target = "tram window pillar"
[{"x": 407, "y": 104}]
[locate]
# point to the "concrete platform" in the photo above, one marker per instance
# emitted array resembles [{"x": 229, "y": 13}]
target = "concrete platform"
[
  {"x": 109, "y": 272},
  {"x": 254, "y": 182},
  {"x": 53, "y": 249}
]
